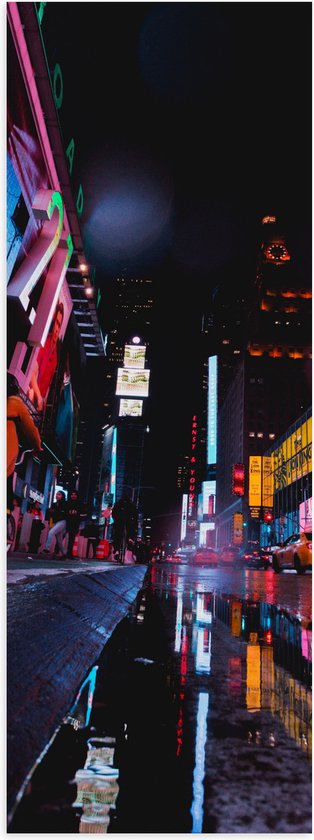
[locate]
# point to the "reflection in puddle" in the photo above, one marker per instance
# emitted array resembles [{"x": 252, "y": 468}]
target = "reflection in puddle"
[
  {"x": 191, "y": 683},
  {"x": 97, "y": 786},
  {"x": 199, "y": 769}
]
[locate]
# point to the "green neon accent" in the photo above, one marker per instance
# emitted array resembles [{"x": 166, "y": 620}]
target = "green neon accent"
[
  {"x": 57, "y": 74},
  {"x": 80, "y": 201},
  {"x": 53, "y": 454},
  {"x": 56, "y": 201},
  {"x": 70, "y": 154},
  {"x": 98, "y": 298},
  {"x": 70, "y": 249},
  {"x": 40, "y": 11}
]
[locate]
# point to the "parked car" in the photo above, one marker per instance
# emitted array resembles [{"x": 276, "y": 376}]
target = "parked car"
[
  {"x": 205, "y": 557},
  {"x": 230, "y": 555},
  {"x": 294, "y": 553}
]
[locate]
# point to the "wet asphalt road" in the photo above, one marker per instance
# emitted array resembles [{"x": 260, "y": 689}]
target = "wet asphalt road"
[{"x": 205, "y": 691}]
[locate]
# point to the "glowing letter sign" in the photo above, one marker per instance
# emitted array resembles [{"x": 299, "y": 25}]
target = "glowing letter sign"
[
  {"x": 47, "y": 206},
  {"x": 212, "y": 410}
]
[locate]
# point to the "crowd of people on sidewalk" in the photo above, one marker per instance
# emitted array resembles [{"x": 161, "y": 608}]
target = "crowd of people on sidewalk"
[{"x": 65, "y": 515}]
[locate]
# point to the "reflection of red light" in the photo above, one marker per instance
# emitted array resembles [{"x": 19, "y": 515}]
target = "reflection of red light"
[
  {"x": 268, "y": 637},
  {"x": 182, "y": 680},
  {"x": 185, "y": 645},
  {"x": 183, "y": 664}
]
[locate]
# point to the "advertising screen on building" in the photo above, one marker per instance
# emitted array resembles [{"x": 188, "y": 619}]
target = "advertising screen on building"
[
  {"x": 293, "y": 458},
  {"x": 134, "y": 356},
  {"x": 212, "y": 411},
  {"x": 184, "y": 515},
  {"x": 130, "y": 408},
  {"x": 47, "y": 361},
  {"x": 133, "y": 383},
  {"x": 305, "y": 514},
  {"x": 209, "y": 498},
  {"x": 255, "y": 481}
]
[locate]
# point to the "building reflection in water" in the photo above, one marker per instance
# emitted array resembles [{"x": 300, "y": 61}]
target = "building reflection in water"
[
  {"x": 276, "y": 669},
  {"x": 97, "y": 786}
]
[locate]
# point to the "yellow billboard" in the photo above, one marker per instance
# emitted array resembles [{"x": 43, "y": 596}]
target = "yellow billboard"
[
  {"x": 268, "y": 483},
  {"x": 255, "y": 481},
  {"x": 293, "y": 458}
]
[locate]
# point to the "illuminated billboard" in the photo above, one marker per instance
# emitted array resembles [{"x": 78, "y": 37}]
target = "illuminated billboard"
[
  {"x": 212, "y": 411},
  {"x": 255, "y": 481},
  {"x": 130, "y": 408},
  {"x": 209, "y": 498},
  {"x": 133, "y": 383},
  {"x": 184, "y": 515},
  {"x": 134, "y": 356}
]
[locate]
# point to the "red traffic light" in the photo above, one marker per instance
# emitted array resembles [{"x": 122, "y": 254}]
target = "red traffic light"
[{"x": 268, "y": 517}]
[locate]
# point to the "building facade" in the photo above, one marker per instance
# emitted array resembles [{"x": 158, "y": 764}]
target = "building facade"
[{"x": 49, "y": 283}]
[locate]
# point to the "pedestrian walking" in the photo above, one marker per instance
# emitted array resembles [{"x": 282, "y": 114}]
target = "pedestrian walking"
[
  {"x": 58, "y": 513},
  {"x": 75, "y": 514},
  {"x": 124, "y": 516}
]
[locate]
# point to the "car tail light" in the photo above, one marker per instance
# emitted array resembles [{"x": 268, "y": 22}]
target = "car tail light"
[{"x": 246, "y": 556}]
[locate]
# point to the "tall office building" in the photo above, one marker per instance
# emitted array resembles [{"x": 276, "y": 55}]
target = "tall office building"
[
  {"x": 128, "y": 322},
  {"x": 271, "y": 385}
]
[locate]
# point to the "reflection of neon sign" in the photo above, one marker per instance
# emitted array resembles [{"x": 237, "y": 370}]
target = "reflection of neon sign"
[
  {"x": 199, "y": 769},
  {"x": 90, "y": 681}
]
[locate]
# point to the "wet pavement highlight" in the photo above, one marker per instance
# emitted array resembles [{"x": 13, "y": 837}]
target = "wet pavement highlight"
[{"x": 195, "y": 719}]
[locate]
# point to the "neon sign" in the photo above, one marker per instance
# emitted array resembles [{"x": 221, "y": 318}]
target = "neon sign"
[{"x": 212, "y": 410}]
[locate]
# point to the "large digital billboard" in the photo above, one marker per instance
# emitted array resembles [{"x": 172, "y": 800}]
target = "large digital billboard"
[
  {"x": 46, "y": 364},
  {"x": 212, "y": 411},
  {"x": 130, "y": 408},
  {"x": 209, "y": 498},
  {"x": 134, "y": 356},
  {"x": 133, "y": 383}
]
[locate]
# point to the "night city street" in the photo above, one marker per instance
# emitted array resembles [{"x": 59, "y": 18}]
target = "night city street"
[{"x": 159, "y": 417}]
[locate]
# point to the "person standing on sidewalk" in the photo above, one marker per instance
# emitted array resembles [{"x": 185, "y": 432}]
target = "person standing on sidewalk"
[
  {"x": 124, "y": 516},
  {"x": 20, "y": 425},
  {"x": 58, "y": 512},
  {"x": 75, "y": 515}
]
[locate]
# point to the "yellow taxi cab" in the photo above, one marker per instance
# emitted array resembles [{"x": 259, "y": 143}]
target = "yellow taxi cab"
[{"x": 294, "y": 553}]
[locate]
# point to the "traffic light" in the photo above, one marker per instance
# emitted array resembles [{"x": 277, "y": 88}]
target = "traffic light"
[{"x": 268, "y": 517}]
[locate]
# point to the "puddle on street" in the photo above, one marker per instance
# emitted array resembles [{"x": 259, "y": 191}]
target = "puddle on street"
[{"x": 198, "y": 707}]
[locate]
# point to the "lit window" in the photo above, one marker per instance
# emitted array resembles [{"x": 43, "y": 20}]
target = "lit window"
[
  {"x": 236, "y": 352},
  {"x": 226, "y": 341},
  {"x": 252, "y": 434},
  {"x": 271, "y": 436},
  {"x": 260, "y": 434}
]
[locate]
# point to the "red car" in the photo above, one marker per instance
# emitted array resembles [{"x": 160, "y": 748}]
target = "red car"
[{"x": 205, "y": 557}]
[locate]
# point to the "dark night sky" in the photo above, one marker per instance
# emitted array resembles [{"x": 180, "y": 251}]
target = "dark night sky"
[{"x": 191, "y": 121}]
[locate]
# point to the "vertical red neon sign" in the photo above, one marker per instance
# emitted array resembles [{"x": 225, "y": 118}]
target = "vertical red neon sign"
[{"x": 192, "y": 475}]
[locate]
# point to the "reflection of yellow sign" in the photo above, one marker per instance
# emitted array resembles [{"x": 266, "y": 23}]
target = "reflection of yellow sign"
[
  {"x": 255, "y": 481},
  {"x": 236, "y": 610},
  {"x": 253, "y": 676}
]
